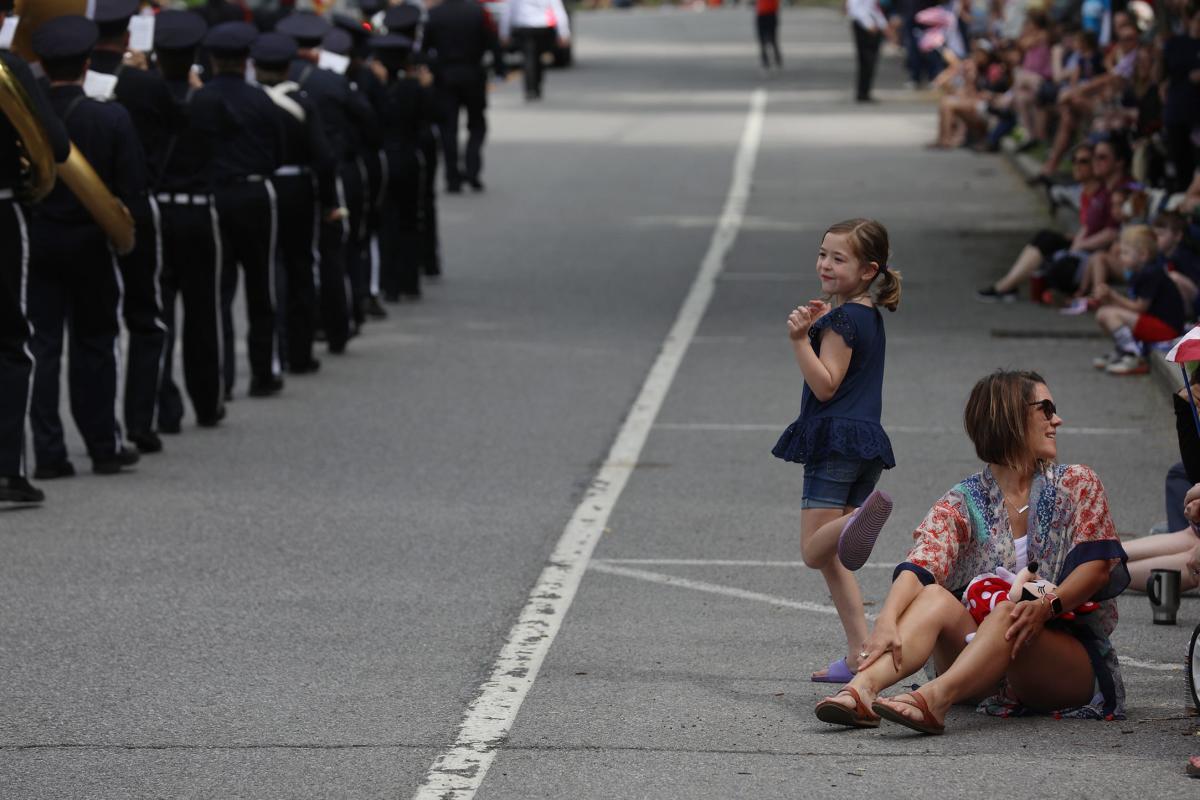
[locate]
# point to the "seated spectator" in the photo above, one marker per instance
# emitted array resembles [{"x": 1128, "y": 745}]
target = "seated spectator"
[
  {"x": 1035, "y": 72},
  {"x": 1129, "y": 207},
  {"x": 969, "y": 85},
  {"x": 1061, "y": 259},
  {"x": 1181, "y": 111},
  {"x": 1152, "y": 312},
  {"x": 1179, "y": 550},
  {"x": 1182, "y": 262}
]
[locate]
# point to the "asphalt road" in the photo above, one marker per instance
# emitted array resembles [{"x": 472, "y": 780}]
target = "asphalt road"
[{"x": 304, "y": 601}]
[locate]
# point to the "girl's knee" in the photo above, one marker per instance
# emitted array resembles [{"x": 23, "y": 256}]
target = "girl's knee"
[{"x": 811, "y": 559}]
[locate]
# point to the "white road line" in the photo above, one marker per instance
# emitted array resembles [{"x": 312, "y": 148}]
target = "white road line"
[
  {"x": 458, "y": 772},
  {"x": 610, "y": 567},
  {"x": 754, "y": 427},
  {"x": 714, "y": 588}
]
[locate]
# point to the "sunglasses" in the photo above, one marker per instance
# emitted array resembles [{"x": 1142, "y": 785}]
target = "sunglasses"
[
  {"x": 1081, "y": 162},
  {"x": 1048, "y": 408}
]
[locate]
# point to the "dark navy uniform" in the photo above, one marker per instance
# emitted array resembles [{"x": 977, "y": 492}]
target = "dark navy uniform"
[
  {"x": 401, "y": 117},
  {"x": 246, "y": 153},
  {"x": 74, "y": 280},
  {"x": 191, "y": 238},
  {"x": 146, "y": 97},
  {"x": 457, "y": 35},
  {"x": 345, "y": 117},
  {"x": 16, "y": 361},
  {"x": 306, "y": 157}
]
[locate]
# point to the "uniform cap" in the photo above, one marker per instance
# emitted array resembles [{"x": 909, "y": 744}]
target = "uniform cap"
[
  {"x": 231, "y": 38},
  {"x": 65, "y": 37},
  {"x": 114, "y": 10},
  {"x": 273, "y": 48},
  {"x": 391, "y": 42},
  {"x": 338, "y": 41},
  {"x": 178, "y": 30},
  {"x": 402, "y": 19},
  {"x": 352, "y": 25},
  {"x": 305, "y": 27}
]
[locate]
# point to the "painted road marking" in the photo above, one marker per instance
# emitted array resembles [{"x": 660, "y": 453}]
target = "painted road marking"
[
  {"x": 458, "y": 772},
  {"x": 611, "y": 566}
]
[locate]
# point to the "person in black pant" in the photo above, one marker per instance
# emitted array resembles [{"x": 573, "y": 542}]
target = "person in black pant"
[
  {"x": 536, "y": 25},
  {"x": 306, "y": 154},
  {"x": 245, "y": 154},
  {"x": 74, "y": 280},
  {"x": 16, "y": 361},
  {"x": 191, "y": 237},
  {"x": 146, "y": 97},
  {"x": 401, "y": 116},
  {"x": 456, "y": 37},
  {"x": 365, "y": 282},
  {"x": 868, "y": 24},
  {"x": 345, "y": 116}
]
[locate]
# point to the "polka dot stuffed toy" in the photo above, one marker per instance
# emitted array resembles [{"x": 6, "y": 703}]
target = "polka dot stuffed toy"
[{"x": 988, "y": 590}]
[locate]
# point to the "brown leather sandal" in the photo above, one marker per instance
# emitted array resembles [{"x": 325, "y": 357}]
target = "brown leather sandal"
[
  {"x": 838, "y": 714},
  {"x": 928, "y": 723}
]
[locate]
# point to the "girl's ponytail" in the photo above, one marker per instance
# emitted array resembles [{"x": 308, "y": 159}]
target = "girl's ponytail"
[{"x": 888, "y": 292}]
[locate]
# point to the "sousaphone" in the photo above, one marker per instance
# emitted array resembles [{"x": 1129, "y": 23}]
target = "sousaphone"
[{"x": 79, "y": 176}]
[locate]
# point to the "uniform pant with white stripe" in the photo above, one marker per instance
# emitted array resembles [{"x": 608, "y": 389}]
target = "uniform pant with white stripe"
[
  {"x": 335, "y": 245},
  {"x": 191, "y": 270},
  {"x": 247, "y": 214},
  {"x": 298, "y": 220},
  {"x": 74, "y": 282},
  {"x": 16, "y": 361},
  {"x": 143, "y": 315}
]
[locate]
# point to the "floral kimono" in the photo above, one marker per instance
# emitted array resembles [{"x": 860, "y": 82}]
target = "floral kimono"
[{"x": 967, "y": 533}]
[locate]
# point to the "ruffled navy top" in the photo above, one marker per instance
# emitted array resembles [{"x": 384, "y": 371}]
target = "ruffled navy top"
[{"x": 849, "y": 422}]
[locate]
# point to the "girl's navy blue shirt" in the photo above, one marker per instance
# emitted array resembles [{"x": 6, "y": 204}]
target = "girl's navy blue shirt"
[{"x": 848, "y": 423}]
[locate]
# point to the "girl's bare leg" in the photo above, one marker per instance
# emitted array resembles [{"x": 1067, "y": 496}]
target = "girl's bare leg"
[{"x": 819, "y": 532}]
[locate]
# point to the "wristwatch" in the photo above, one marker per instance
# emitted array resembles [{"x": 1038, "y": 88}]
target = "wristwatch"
[{"x": 1056, "y": 606}]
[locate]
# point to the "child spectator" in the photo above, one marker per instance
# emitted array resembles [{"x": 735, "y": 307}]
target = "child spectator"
[
  {"x": 1152, "y": 312},
  {"x": 1182, "y": 262},
  {"x": 840, "y": 347}
]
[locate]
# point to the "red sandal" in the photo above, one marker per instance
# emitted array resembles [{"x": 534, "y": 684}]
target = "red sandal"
[
  {"x": 928, "y": 723},
  {"x": 838, "y": 714}
]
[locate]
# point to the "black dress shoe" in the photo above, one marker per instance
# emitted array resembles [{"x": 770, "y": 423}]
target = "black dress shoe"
[
  {"x": 454, "y": 188},
  {"x": 173, "y": 427},
  {"x": 146, "y": 441},
  {"x": 475, "y": 184},
  {"x": 48, "y": 472},
  {"x": 336, "y": 348},
  {"x": 391, "y": 297},
  {"x": 16, "y": 489},
  {"x": 305, "y": 369},
  {"x": 265, "y": 387},
  {"x": 213, "y": 420},
  {"x": 111, "y": 465},
  {"x": 374, "y": 309}
]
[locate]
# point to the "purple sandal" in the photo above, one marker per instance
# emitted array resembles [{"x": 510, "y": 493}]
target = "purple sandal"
[
  {"x": 861, "y": 530},
  {"x": 837, "y": 672}
]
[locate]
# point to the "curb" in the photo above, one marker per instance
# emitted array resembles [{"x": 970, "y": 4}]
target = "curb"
[{"x": 1165, "y": 374}]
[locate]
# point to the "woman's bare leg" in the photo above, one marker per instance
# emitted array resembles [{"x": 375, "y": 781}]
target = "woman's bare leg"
[
  {"x": 934, "y": 624},
  {"x": 980, "y": 666},
  {"x": 1161, "y": 544},
  {"x": 819, "y": 532},
  {"x": 1026, "y": 264},
  {"x": 1139, "y": 571}
]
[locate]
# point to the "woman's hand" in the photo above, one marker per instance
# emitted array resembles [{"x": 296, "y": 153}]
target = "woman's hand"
[
  {"x": 1029, "y": 617},
  {"x": 798, "y": 322},
  {"x": 1191, "y": 503},
  {"x": 884, "y": 638}
]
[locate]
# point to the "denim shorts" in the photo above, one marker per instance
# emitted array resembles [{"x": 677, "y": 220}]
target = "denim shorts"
[{"x": 838, "y": 481}]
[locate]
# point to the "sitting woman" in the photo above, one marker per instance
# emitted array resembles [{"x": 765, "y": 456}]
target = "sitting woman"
[{"x": 1021, "y": 508}]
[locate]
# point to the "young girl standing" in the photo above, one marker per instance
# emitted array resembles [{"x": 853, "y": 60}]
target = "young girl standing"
[{"x": 839, "y": 344}]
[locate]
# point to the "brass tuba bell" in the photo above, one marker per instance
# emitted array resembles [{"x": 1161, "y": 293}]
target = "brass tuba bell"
[{"x": 79, "y": 176}]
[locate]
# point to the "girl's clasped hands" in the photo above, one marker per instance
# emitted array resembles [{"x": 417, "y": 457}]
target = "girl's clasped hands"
[{"x": 803, "y": 317}]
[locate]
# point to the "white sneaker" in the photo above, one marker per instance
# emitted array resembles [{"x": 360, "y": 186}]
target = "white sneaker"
[
  {"x": 1102, "y": 362},
  {"x": 1128, "y": 364}
]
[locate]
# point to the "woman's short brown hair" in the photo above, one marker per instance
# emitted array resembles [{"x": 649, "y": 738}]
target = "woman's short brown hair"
[{"x": 997, "y": 416}]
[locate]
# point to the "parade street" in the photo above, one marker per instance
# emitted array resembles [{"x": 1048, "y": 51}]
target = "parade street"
[{"x": 320, "y": 598}]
